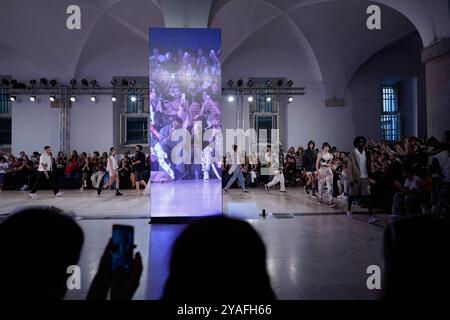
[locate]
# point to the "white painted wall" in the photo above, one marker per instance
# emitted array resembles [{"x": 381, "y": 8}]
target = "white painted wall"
[
  {"x": 91, "y": 125},
  {"x": 34, "y": 125}
]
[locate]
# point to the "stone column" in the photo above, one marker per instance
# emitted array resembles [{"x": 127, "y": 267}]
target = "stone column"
[{"x": 437, "y": 76}]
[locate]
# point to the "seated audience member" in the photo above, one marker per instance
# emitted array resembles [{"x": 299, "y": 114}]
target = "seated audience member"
[
  {"x": 86, "y": 171},
  {"x": 36, "y": 247},
  {"x": 3, "y": 170},
  {"x": 97, "y": 175},
  {"x": 23, "y": 173},
  {"x": 416, "y": 260},
  {"x": 208, "y": 263},
  {"x": 408, "y": 195},
  {"x": 72, "y": 164},
  {"x": 61, "y": 162}
]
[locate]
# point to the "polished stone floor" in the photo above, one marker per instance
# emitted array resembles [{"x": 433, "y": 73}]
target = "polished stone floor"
[{"x": 314, "y": 252}]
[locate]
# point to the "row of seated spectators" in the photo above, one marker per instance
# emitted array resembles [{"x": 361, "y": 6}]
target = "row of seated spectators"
[
  {"x": 73, "y": 171},
  {"x": 409, "y": 176}
]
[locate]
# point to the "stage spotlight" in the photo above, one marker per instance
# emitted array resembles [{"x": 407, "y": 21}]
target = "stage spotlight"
[
  {"x": 240, "y": 83},
  {"x": 44, "y": 82},
  {"x": 230, "y": 98},
  {"x": 268, "y": 83},
  {"x": 73, "y": 82},
  {"x": 12, "y": 98},
  {"x": 52, "y": 98},
  {"x": 230, "y": 83},
  {"x": 33, "y": 82},
  {"x": 290, "y": 83},
  {"x": 33, "y": 98},
  {"x": 290, "y": 99},
  {"x": 93, "y": 98},
  {"x": 280, "y": 83},
  {"x": 250, "y": 99},
  {"x": 113, "y": 82},
  {"x": 94, "y": 82},
  {"x": 113, "y": 99},
  {"x": 53, "y": 82},
  {"x": 125, "y": 82},
  {"x": 249, "y": 83},
  {"x": 268, "y": 99},
  {"x": 133, "y": 98},
  {"x": 73, "y": 98},
  {"x": 14, "y": 83},
  {"x": 84, "y": 82},
  {"x": 132, "y": 82}
]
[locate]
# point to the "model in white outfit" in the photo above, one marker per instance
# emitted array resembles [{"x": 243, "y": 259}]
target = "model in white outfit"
[
  {"x": 112, "y": 168},
  {"x": 276, "y": 163},
  {"x": 323, "y": 165}
]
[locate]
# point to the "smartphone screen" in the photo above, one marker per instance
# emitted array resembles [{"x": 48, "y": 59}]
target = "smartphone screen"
[{"x": 123, "y": 241}]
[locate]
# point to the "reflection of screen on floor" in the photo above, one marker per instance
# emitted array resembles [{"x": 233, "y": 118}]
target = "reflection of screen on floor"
[{"x": 122, "y": 238}]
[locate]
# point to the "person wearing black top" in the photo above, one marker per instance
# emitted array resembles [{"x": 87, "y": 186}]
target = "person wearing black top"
[
  {"x": 309, "y": 164},
  {"x": 139, "y": 167}
]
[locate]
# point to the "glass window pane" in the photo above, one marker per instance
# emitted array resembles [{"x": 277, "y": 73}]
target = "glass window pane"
[
  {"x": 5, "y": 131},
  {"x": 137, "y": 132}
]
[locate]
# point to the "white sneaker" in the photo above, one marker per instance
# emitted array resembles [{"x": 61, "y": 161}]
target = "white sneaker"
[
  {"x": 24, "y": 187},
  {"x": 59, "y": 194},
  {"x": 332, "y": 204},
  {"x": 205, "y": 175},
  {"x": 33, "y": 196},
  {"x": 349, "y": 213},
  {"x": 373, "y": 220}
]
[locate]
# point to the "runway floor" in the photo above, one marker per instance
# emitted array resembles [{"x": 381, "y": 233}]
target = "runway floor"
[
  {"x": 313, "y": 252},
  {"x": 177, "y": 199}
]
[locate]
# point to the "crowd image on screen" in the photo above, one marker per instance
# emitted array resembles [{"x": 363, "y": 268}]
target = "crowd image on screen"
[{"x": 185, "y": 93}]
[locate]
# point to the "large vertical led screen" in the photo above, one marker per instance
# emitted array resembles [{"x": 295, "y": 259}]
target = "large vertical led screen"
[{"x": 185, "y": 135}]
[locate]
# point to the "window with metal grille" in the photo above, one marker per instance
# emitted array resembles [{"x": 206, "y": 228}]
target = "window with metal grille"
[
  {"x": 390, "y": 115},
  {"x": 5, "y": 120},
  {"x": 135, "y": 117},
  {"x": 136, "y": 130}
]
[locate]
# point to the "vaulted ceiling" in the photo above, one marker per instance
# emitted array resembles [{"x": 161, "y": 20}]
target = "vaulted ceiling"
[{"x": 328, "y": 35}]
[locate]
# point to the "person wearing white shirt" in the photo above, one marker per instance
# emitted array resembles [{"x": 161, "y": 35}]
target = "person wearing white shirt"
[
  {"x": 408, "y": 195},
  {"x": 112, "y": 168},
  {"x": 276, "y": 162},
  {"x": 45, "y": 171}
]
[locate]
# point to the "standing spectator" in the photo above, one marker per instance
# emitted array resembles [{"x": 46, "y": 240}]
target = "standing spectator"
[
  {"x": 3, "y": 170},
  {"x": 139, "y": 167}
]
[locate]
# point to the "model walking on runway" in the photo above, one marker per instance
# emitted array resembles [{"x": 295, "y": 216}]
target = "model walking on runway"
[
  {"x": 112, "y": 169},
  {"x": 236, "y": 172},
  {"x": 309, "y": 163},
  {"x": 276, "y": 159},
  {"x": 358, "y": 173},
  {"x": 325, "y": 175},
  {"x": 45, "y": 172}
]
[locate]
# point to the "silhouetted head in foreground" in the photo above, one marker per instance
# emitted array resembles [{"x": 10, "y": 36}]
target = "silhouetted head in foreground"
[
  {"x": 36, "y": 247},
  {"x": 416, "y": 259},
  {"x": 218, "y": 259}
]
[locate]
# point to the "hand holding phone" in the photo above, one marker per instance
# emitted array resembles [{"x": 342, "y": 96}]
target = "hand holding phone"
[
  {"x": 122, "y": 285},
  {"x": 123, "y": 246}
]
